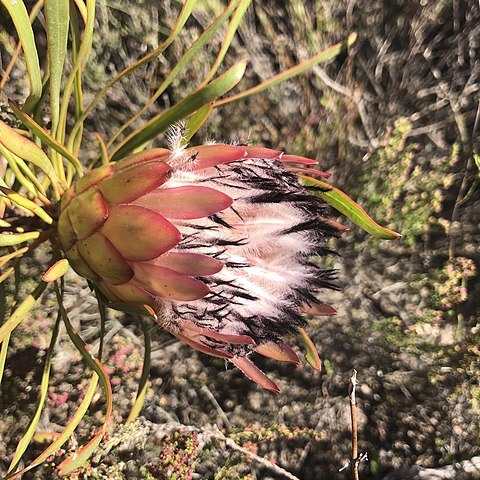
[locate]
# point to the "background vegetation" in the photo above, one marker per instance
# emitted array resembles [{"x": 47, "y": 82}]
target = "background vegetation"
[{"x": 396, "y": 121}]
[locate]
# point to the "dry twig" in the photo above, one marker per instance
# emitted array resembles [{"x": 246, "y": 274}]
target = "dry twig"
[{"x": 356, "y": 457}]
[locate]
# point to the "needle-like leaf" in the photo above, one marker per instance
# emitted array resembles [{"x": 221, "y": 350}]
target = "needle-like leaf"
[
  {"x": 344, "y": 204},
  {"x": 181, "y": 20},
  {"x": 196, "y": 121},
  {"x": 19, "y": 15},
  {"x": 82, "y": 455},
  {"x": 57, "y": 19},
  {"x": 182, "y": 109},
  {"x": 327, "y": 54},
  {"x": 33, "y": 14},
  {"x": 27, "y": 436},
  {"x": 46, "y": 138},
  {"x": 181, "y": 64},
  {"x": 21, "y": 311},
  {"x": 27, "y": 204},
  {"x": 28, "y": 151}
]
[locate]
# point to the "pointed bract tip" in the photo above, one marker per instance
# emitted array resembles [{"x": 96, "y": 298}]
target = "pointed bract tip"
[{"x": 252, "y": 372}]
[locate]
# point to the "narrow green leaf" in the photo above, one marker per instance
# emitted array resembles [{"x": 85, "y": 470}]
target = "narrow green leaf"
[
  {"x": 143, "y": 384},
  {"x": 82, "y": 8},
  {"x": 57, "y": 14},
  {"x": 75, "y": 141},
  {"x": 181, "y": 64},
  {"x": 103, "y": 150},
  {"x": 79, "y": 458},
  {"x": 28, "y": 172},
  {"x": 81, "y": 58},
  {"x": 9, "y": 256},
  {"x": 8, "y": 240},
  {"x": 33, "y": 15},
  {"x": 476, "y": 159},
  {"x": 46, "y": 138},
  {"x": 344, "y": 204},
  {"x": 102, "y": 309},
  {"x": 79, "y": 414},
  {"x": 3, "y": 355},
  {"x": 26, "y": 176},
  {"x": 181, "y": 20},
  {"x": 6, "y": 274},
  {"x": 327, "y": 54},
  {"x": 19, "y": 14},
  {"x": 27, "y": 204},
  {"x": 66, "y": 433},
  {"x": 76, "y": 39},
  {"x": 21, "y": 311},
  {"x": 182, "y": 109},
  {"x": 28, "y": 151},
  {"x": 196, "y": 121},
  {"x": 14, "y": 169},
  {"x": 27, "y": 436},
  {"x": 231, "y": 30}
]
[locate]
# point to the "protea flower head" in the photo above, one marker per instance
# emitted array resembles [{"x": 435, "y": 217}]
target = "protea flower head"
[{"x": 216, "y": 241}]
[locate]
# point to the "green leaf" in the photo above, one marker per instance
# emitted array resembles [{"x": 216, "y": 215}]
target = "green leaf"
[
  {"x": 57, "y": 14},
  {"x": 327, "y": 54},
  {"x": 3, "y": 355},
  {"x": 476, "y": 159},
  {"x": 82, "y": 9},
  {"x": 27, "y": 171},
  {"x": 231, "y": 30},
  {"x": 19, "y": 177},
  {"x": 181, "y": 20},
  {"x": 182, "y": 109},
  {"x": 27, "y": 436},
  {"x": 75, "y": 140},
  {"x": 19, "y": 14},
  {"x": 28, "y": 151},
  {"x": 103, "y": 150},
  {"x": 6, "y": 341},
  {"x": 21, "y": 311},
  {"x": 66, "y": 433},
  {"x": 4, "y": 276},
  {"x": 82, "y": 409},
  {"x": 344, "y": 204},
  {"x": 33, "y": 15},
  {"x": 80, "y": 60},
  {"x": 24, "y": 175},
  {"x": 8, "y": 240},
  {"x": 81, "y": 456},
  {"x": 27, "y": 204},
  {"x": 196, "y": 121},
  {"x": 182, "y": 63},
  {"x": 46, "y": 138},
  {"x": 17, "y": 253}
]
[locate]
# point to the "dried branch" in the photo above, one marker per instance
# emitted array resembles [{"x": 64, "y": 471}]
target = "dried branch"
[
  {"x": 353, "y": 416},
  {"x": 356, "y": 457},
  {"x": 218, "y": 408}
]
